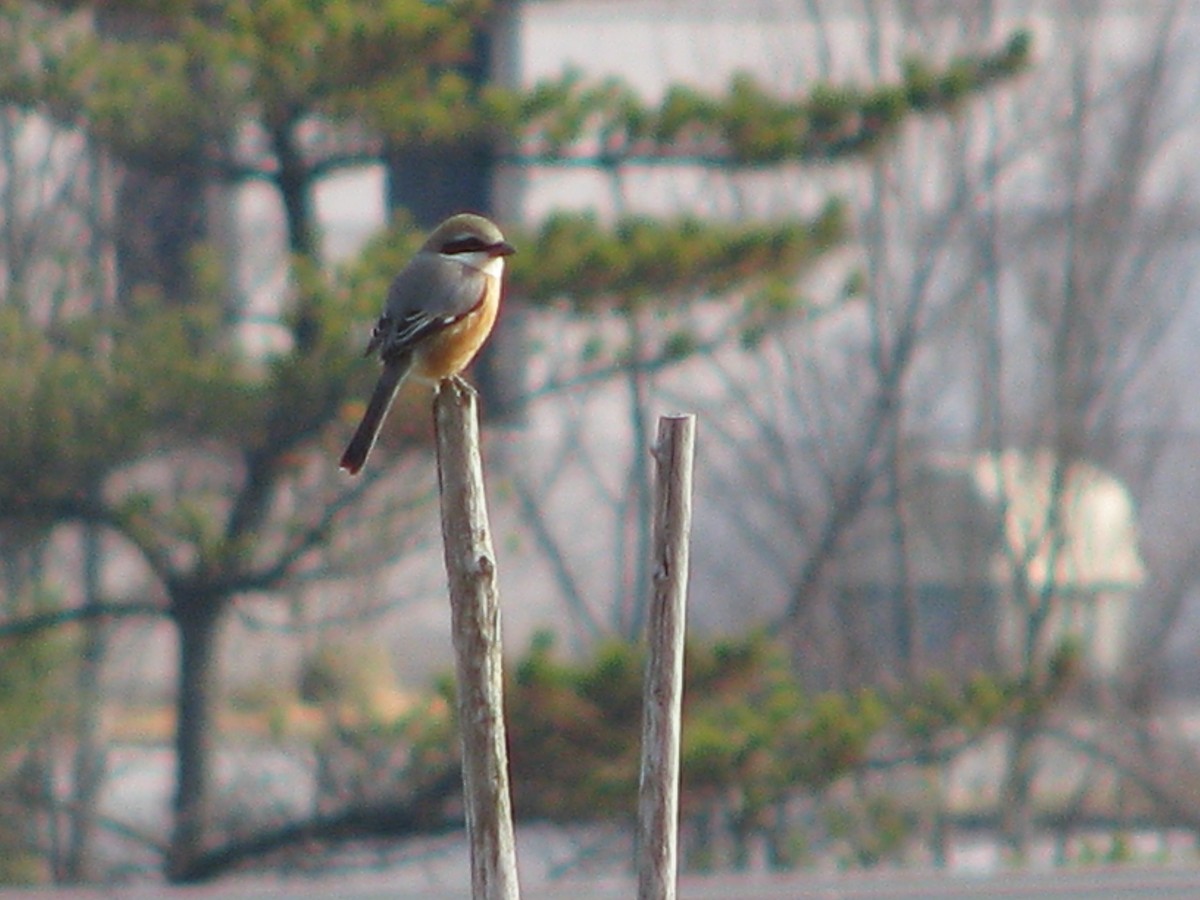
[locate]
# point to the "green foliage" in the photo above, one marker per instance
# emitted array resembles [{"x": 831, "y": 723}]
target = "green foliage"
[
  {"x": 348, "y": 679},
  {"x": 750, "y": 726},
  {"x": 64, "y": 413},
  {"x": 750, "y": 730},
  {"x": 33, "y": 675},
  {"x": 194, "y": 72},
  {"x": 749, "y": 125},
  {"x": 753, "y": 740},
  {"x": 190, "y": 72},
  {"x": 679, "y": 345},
  {"x": 870, "y": 830},
  {"x": 573, "y": 734},
  {"x": 574, "y": 730},
  {"x": 645, "y": 260},
  {"x": 934, "y": 707},
  {"x": 927, "y": 89},
  {"x": 372, "y": 757},
  {"x": 101, "y": 394},
  {"x": 97, "y": 394}
]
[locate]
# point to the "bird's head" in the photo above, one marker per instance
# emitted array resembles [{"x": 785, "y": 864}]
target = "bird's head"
[{"x": 470, "y": 239}]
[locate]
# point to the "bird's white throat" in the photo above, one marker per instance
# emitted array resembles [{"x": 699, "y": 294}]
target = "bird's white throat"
[{"x": 481, "y": 260}]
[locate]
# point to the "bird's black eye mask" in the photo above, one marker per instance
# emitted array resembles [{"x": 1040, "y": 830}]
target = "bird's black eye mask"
[{"x": 465, "y": 244}]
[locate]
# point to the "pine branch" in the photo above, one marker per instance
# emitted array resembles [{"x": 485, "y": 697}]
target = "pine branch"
[
  {"x": 35, "y": 624},
  {"x": 143, "y": 99},
  {"x": 567, "y": 122},
  {"x": 641, "y": 258}
]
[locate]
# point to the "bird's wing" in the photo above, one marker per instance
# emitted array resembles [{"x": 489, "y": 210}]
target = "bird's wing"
[{"x": 430, "y": 293}]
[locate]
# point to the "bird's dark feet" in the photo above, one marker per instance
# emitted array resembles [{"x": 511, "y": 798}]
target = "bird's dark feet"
[{"x": 457, "y": 384}]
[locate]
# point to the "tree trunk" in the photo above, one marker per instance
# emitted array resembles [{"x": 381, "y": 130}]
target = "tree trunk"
[
  {"x": 198, "y": 619},
  {"x": 160, "y": 215},
  {"x": 294, "y": 182},
  {"x": 160, "y": 219},
  {"x": 89, "y": 764},
  {"x": 431, "y": 183},
  {"x": 1016, "y": 794}
]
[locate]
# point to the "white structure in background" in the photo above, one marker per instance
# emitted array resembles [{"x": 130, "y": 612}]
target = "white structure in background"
[
  {"x": 994, "y": 552},
  {"x": 1070, "y": 548}
]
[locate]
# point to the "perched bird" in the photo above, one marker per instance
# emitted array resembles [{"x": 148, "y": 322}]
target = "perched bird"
[{"x": 439, "y": 311}]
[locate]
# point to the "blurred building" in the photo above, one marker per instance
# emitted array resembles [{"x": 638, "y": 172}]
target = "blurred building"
[{"x": 999, "y": 556}]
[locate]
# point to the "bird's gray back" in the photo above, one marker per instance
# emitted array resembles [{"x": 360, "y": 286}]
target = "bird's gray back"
[{"x": 434, "y": 287}]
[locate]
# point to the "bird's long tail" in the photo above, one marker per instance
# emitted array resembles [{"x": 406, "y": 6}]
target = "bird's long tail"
[{"x": 394, "y": 372}]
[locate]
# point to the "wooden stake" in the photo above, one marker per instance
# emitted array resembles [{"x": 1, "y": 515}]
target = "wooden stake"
[
  {"x": 475, "y": 623},
  {"x": 658, "y": 795}
]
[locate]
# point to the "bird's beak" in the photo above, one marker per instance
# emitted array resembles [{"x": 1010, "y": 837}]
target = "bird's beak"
[{"x": 501, "y": 248}]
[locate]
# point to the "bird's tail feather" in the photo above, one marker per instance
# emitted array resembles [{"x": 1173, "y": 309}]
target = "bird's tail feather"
[{"x": 394, "y": 372}]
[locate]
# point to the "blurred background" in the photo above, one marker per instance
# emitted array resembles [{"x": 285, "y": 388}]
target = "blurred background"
[{"x": 925, "y": 271}]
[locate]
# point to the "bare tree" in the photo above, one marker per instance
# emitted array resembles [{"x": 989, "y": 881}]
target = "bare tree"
[
  {"x": 1101, "y": 283},
  {"x": 1021, "y": 277}
]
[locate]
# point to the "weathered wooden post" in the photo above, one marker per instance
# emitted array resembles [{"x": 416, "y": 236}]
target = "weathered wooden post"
[
  {"x": 658, "y": 795},
  {"x": 475, "y": 623}
]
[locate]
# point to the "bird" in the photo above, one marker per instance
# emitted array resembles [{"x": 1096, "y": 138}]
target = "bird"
[{"x": 439, "y": 311}]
